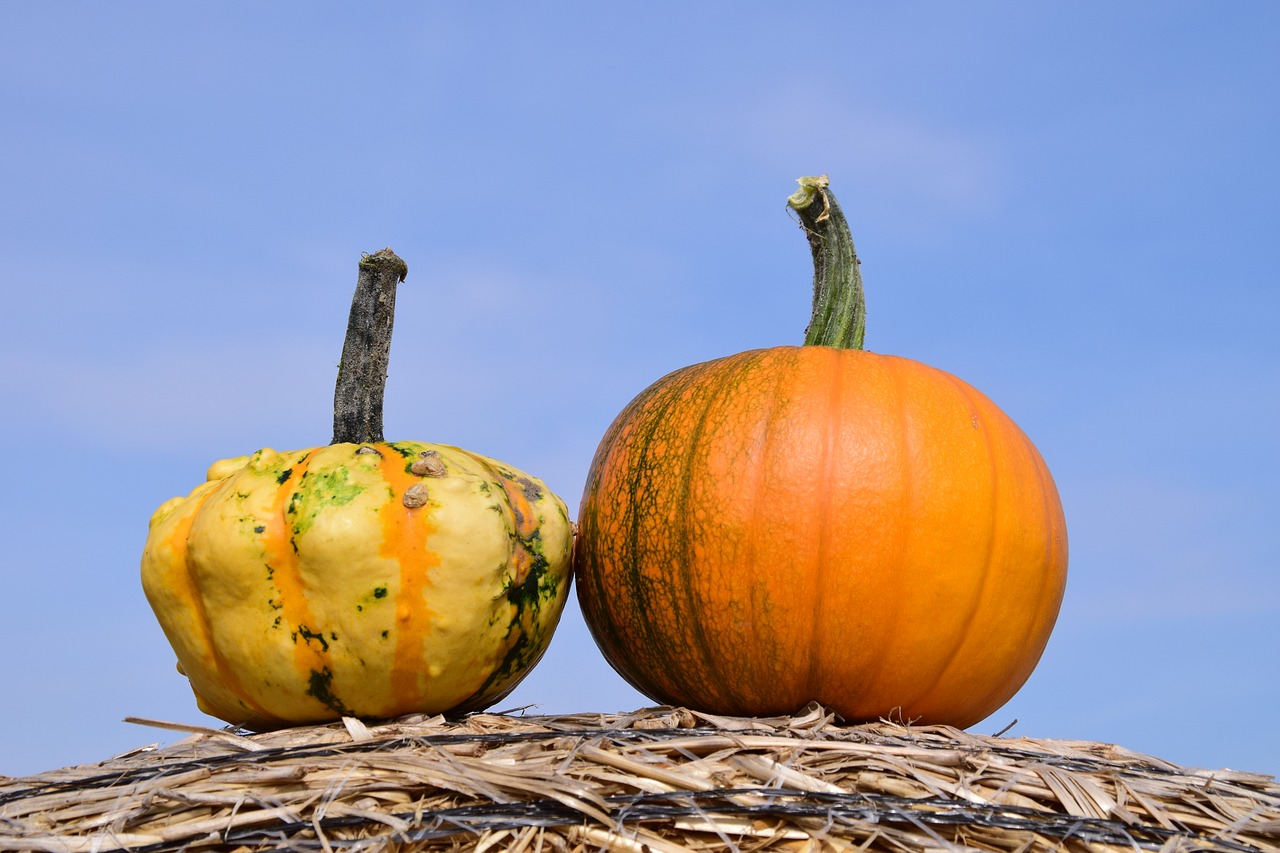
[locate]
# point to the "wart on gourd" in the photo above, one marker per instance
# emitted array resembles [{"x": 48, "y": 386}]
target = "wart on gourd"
[
  {"x": 428, "y": 464},
  {"x": 416, "y": 496}
]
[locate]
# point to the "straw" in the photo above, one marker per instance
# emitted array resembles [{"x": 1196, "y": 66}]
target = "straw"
[{"x": 661, "y": 779}]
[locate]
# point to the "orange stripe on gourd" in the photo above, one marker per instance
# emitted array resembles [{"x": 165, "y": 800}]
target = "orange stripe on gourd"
[
  {"x": 519, "y": 509},
  {"x": 310, "y": 653},
  {"x": 526, "y": 522},
  {"x": 405, "y": 533}
]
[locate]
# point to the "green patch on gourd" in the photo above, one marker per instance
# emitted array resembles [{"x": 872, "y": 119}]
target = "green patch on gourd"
[
  {"x": 320, "y": 687},
  {"x": 536, "y": 586},
  {"x": 409, "y": 453},
  {"x": 379, "y": 593},
  {"x": 317, "y": 491},
  {"x": 308, "y": 635},
  {"x": 532, "y": 492}
]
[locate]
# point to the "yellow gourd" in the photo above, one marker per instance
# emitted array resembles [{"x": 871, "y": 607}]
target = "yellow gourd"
[{"x": 364, "y": 578}]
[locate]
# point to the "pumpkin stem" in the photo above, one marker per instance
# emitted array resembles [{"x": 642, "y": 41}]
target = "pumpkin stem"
[
  {"x": 362, "y": 374},
  {"x": 839, "y": 304}
]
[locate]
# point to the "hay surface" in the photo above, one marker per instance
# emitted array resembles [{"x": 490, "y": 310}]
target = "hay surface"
[{"x": 658, "y": 780}]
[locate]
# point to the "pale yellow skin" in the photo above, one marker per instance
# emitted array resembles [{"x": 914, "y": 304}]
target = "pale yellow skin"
[{"x": 303, "y": 586}]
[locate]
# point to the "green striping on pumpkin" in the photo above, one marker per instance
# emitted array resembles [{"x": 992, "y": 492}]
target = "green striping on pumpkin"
[
  {"x": 821, "y": 522},
  {"x": 364, "y": 578}
]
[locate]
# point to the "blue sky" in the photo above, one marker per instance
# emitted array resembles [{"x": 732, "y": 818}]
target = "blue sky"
[{"x": 1071, "y": 205}]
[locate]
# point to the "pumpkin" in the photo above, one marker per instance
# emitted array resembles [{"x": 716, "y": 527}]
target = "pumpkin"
[
  {"x": 366, "y": 578},
  {"x": 821, "y": 523}
]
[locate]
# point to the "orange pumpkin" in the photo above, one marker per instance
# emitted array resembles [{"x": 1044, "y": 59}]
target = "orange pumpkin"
[{"x": 821, "y": 523}]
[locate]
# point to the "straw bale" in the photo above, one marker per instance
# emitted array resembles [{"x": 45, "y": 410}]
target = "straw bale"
[{"x": 662, "y": 780}]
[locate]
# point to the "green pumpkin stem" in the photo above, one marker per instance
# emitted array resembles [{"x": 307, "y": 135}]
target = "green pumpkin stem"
[
  {"x": 839, "y": 304},
  {"x": 362, "y": 375}
]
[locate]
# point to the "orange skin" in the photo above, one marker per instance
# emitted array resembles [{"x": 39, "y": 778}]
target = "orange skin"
[{"x": 810, "y": 523}]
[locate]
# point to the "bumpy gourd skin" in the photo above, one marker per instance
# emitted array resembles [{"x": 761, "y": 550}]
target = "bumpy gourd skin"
[{"x": 302, "y": 586}]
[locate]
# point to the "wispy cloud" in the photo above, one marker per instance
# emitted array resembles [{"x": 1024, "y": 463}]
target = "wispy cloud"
[
  {"x": 1147, "y": 552},
  {"x": 172, "y": 399},
  {"x": 839, "y": 134}
]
